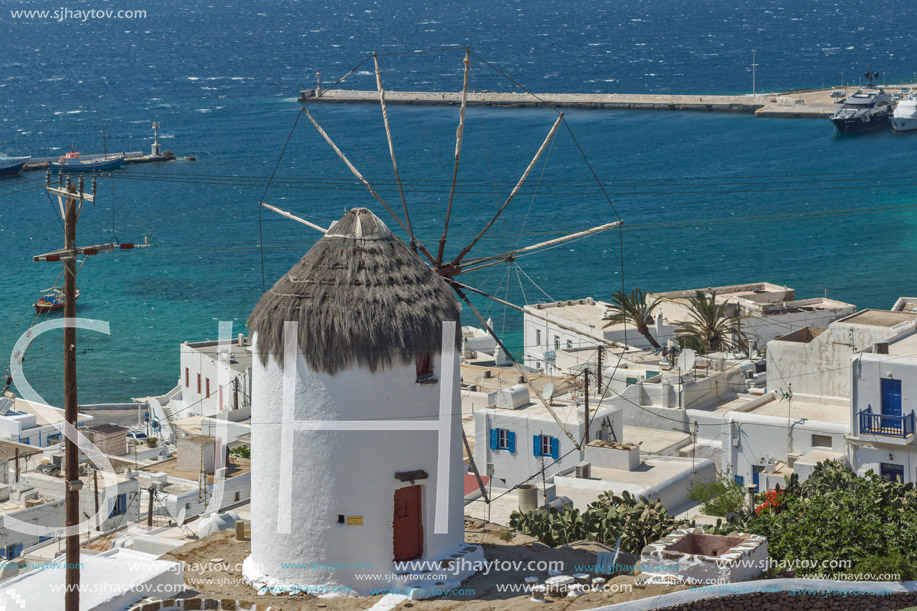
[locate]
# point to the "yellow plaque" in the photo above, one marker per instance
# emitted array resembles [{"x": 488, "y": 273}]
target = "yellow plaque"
[{"x": 354, "y": 520}]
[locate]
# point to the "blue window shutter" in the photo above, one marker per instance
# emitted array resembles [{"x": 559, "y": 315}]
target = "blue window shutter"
[
  {"x": 493, "y": 439},
  {"x": 536, "y": 445},
  {"x": 555, "y": 448},
  {"x": 511, "y": 441}
]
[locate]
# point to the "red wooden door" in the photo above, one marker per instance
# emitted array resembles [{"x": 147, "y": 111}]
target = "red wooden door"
[{"x": 408, "y": 526}]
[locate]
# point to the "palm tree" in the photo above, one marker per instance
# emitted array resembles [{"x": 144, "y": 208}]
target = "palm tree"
[
  {"x": 632, "y": 307},
  {"x": 710, "y": 328}
]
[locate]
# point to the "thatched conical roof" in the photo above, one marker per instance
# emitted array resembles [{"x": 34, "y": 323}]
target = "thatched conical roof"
[{"x": 361, "y": 297}]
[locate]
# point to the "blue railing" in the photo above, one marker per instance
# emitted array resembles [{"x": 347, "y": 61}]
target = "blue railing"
[{"x": 884, "y": 424}]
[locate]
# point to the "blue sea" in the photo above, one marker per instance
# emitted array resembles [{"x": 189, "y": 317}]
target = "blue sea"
[{"x": 707, "y": 199}]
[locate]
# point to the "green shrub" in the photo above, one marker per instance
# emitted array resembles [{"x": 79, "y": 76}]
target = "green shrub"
[
  {"x": 241, "y": 451},
  {"x": 152, "y": 441},
  {"x": 894, "y": 567},
  {"x": 635, "y": 521},
  {"x": 835, "y": 520},
  {"x": 720, "y": 497}
]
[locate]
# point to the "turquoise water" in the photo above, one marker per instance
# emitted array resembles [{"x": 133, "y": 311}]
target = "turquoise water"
[{"x": 695, "y": 190}]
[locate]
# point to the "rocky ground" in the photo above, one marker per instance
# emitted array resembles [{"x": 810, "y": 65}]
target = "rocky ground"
[{"x": 213, "y": 569}]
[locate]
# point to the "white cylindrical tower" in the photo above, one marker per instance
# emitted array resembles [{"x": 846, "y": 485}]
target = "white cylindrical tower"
[{"x": 335, "y": 509}]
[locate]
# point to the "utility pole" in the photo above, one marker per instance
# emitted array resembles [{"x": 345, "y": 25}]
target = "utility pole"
[
  {"x": 598, "y": 365},
  {"x": 70, "y": 201},
  {"x": 586, "y": 399},
  {"x": 71, "y": 456},
  {"x": 95, "y": 485}
]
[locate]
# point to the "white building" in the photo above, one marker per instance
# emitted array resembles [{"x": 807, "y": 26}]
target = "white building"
[
  {"x": 765, "y": 311},
  {"x": 883, "y": 380},
  {"x": 367, "y": 347},
  {"x": 523, "y": 438},
  {"x": 120, "y": 578},
  {"x": 816, "y": 361},
  {"x": 214, "y": 377},
  {"x": 549, "y": 328},
  {"x": 36, "y": 425}
]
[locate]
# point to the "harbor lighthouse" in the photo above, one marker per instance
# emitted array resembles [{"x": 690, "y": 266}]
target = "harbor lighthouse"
[{"x": 351, "y": 388}]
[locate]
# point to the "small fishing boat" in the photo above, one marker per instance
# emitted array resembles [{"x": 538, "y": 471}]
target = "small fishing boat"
[
  {"x": 71, "y": 162},
  {"x": 11, "y": 166},
  {"x": 52, "y": 300}
]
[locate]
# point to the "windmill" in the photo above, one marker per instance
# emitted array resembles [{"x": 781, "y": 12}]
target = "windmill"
[{"x": 451, "y": 268}]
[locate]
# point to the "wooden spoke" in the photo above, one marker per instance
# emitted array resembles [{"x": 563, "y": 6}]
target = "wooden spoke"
[
  {"x": 515, "y": 190},
  {"x": 391, "y": 150},
  {"x": 459, "y": 134}
]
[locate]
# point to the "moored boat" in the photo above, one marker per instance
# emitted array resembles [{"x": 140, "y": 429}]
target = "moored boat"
[
  {"x": 71, "y": 162},
  {"x": 52, "y": 301},
  {"x": 862, "y": 111},
  {"x": 904, "y": 118},
  {"x": 11, "y": 166}
]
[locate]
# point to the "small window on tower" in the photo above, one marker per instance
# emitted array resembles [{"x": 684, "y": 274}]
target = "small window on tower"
[{"x": 424, "y": 363}]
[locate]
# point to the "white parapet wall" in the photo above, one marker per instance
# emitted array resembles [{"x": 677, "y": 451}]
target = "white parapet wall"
[{"x": 694, "y": 557}]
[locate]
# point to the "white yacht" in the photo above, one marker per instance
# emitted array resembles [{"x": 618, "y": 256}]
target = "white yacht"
[{"x": 904, "y": 118}]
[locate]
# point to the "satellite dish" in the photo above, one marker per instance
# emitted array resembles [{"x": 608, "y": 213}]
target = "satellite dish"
[
  {"x": 687, "y": 359},
  {"x": 548, "y": 392},
  {"x": 182, "y": 516}
]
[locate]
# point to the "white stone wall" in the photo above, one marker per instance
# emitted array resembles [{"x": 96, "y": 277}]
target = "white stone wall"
[
  {"x": 349, "y": 473},
  {"x": 744, "y": 562}
]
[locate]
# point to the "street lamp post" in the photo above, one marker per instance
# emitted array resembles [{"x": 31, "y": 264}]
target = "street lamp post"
[{"x": 753, "y": 66}]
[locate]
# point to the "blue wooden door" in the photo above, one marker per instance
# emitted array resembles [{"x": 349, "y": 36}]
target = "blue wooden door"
[{"x": 891, "y": 403}]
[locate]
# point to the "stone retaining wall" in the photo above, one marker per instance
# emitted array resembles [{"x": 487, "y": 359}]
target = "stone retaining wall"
[
  {"x": 199, "y": 604},
  {"x": 786, "y": 601}
]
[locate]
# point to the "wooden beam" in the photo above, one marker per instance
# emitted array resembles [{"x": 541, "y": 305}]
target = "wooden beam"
[
  {"x": 459, "y": 134},
  {"x": 522, "y": 372},
  {"x": 513, "y": 193},
  {"x": 293, "y": 217}
]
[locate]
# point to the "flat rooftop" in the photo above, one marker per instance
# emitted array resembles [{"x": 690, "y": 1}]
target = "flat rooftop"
[
  {"x": 802, "y": 336},
  {"x": 731, "y": 290},
  {"x": 588, "y": 311},
  {"x": 490, "y": 378},
  {"x": 807, "y": 410},
  {"x": 653, "y": 441},
  {"x": 240, "y": 356},
  {"x": 235, "y": 466},
  {"x": 879, "y": 318},
  {"x": 906, "y": 346}
]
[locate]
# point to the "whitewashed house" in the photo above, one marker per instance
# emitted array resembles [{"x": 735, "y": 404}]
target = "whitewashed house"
[
  {"x": 214, "y": 377},
  {"x": 765, "y": 310},
  {"x": 518, "y": 436},
  {"x": 36, "y": 425},
  {"x": 815, "y": 361},
  {"x": 883, "y": 381}
]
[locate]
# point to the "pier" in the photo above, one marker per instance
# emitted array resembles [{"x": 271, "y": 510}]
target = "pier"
[
  {"x": 799, "y": 104},
  {"x": 41, "y": 163}
]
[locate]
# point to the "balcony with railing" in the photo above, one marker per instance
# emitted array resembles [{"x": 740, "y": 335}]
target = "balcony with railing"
[{"x": 887, "y": 425}]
